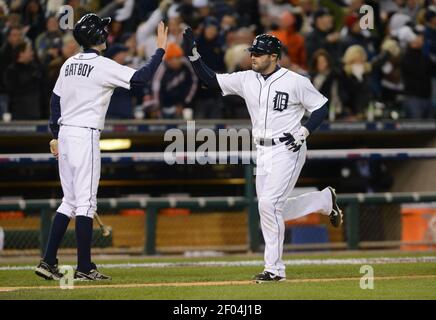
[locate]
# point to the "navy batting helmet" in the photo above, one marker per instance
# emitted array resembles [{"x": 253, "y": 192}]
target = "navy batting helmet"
[
  {"x": 91, "y": 30},
  {"x": 266, "y": 44}
]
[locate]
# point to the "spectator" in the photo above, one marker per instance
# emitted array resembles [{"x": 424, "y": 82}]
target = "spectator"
[
  {"x": 412, "y": 8},
  {"x": 52, "y": 7},
  {"x": 120, "y": 106},
  {"x": 430, "y": 33},
  {"x": 14, "y": 36},
  {"x": 239, "y": 36},
  {"x": 146, "y": 31},
  {"x": 7, "y": 23},
  {"x": 224, "y": 25},
  {"x": 236, "y": 56},
  {"x": 4, "y": 12},
  {"x": 307, "y": 10},
  {"x": 389, "y": 6},
  {"x": 146, "y": 34},
  {"x": 174, "y": 84},
  {"x": 115, "y": 32},
  {"x": 202, "y": 7},
  {"x": 228, "y": 24},
  {"x": 355, "y": 89},
  {"x": 175, "y": 29},
  {"x": 124, "y": 13},
  {"x": 69, "y": 49},
  {"x": 134, "y": 59},
  {"x": 236, "y": 59},
  {"x": 416, "y": 71},
  {"x": 23, "y": 82},
  {"x": 210, "y": 47},
  {"x": 33, "y": 18},
  {"x": 354, "y": 35},
  {"x": 271, "y": 10},
  {"x": 391, "y": 79},
  {"x": 142, "y": 9},
  {"x": 248, "y": 13},
  {"x": 209, "y": 104},
  {"x": 286, "y": 62},
  {"x": 78, "y": 9},
  {"x": 430, "y": 46},
  {"x": 291, "y": 39},
  {"x": 325, "y": 79},
  {"x": 324, "y": 36},
  {"x": 50, "y": 40}
]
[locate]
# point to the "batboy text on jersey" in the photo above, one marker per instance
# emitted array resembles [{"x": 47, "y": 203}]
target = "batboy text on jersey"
[{"x": 78, "y": 69}]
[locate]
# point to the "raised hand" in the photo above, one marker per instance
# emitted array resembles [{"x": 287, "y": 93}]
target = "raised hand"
[
  {"x": 188, "y": 44},
  {"x": 188, "y": 41},
  {"x": 162, "y": 36}
]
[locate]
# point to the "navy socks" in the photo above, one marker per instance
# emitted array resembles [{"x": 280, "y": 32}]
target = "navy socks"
[
  {"x": 84, "y": 239},
  {"x": 57, "y": 232},
  {"x": 83, "y": 236}
]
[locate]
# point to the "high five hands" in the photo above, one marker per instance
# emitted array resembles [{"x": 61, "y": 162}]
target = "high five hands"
[
  {"x": 162, "y": 36},
  {"x": 189, "y": 46}
]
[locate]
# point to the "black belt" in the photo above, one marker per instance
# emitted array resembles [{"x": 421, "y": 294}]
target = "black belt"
[
  {"x": 68, "y": 125},
  {"x": 271, "y": 142}
]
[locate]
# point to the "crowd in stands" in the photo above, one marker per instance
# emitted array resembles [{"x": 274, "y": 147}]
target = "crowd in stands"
[{"x": 370, "y": 66}]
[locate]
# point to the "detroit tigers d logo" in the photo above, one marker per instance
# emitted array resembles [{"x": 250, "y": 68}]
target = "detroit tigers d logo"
[{"x": 281, "y": 101}]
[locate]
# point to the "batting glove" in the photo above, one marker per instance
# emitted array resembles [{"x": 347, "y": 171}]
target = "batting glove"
[
  {"x": 294, "y": 141},
  {"x": 189, "y": 46}
]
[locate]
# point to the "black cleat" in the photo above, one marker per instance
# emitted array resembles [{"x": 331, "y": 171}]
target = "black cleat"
[
  {"x": 48, "y": 272},
  {"x": 92, "y": 275},
  {"x": 267, "y": 276},
  {"x": 336, "y": 216}
]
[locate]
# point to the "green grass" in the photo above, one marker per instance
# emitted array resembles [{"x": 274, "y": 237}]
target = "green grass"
[
  {"x": 248, "y": 257},
  {"x": 399, "y": 288}
]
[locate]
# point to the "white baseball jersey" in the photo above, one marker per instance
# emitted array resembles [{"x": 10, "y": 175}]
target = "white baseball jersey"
[
  {"x": 85, "y": 85},
  {"x": 277, "y": 104}
]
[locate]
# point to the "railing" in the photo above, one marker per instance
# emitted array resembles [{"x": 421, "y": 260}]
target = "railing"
[
  {"x": 352, "y": 204},
  {"x": 231, "y": 157},
  {"x": 141, "y": 127},
  {"x": 369, "y": 207}
]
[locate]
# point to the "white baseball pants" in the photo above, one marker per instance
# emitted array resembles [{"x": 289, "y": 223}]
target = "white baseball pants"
[
  {"x": 277, "y": 172},
  {"x": 79, "y": 170}
]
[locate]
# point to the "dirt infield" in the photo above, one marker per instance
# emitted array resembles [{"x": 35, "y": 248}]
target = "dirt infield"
[{"x": 207, "y": 283}]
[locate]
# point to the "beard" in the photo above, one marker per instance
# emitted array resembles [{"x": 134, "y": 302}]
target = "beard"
[{"x": 261, "y": 68}]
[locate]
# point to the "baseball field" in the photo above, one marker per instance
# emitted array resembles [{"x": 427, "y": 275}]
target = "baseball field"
[{"x": 373, "y": 276}]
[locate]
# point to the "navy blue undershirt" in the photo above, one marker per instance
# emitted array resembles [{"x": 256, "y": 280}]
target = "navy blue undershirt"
[
  {"x": 89, "y": 50},
  {"x": 266, "y": 76},
  {"x": 145, "y": 74},
  {"x": 316, "y": 118},
  {"x": 55, "y": 114}
]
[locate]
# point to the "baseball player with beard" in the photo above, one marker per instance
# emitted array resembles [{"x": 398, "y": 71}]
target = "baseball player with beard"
[
  {"x": 79, "y": 103},
  {"x": 277, "y": 100}
]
